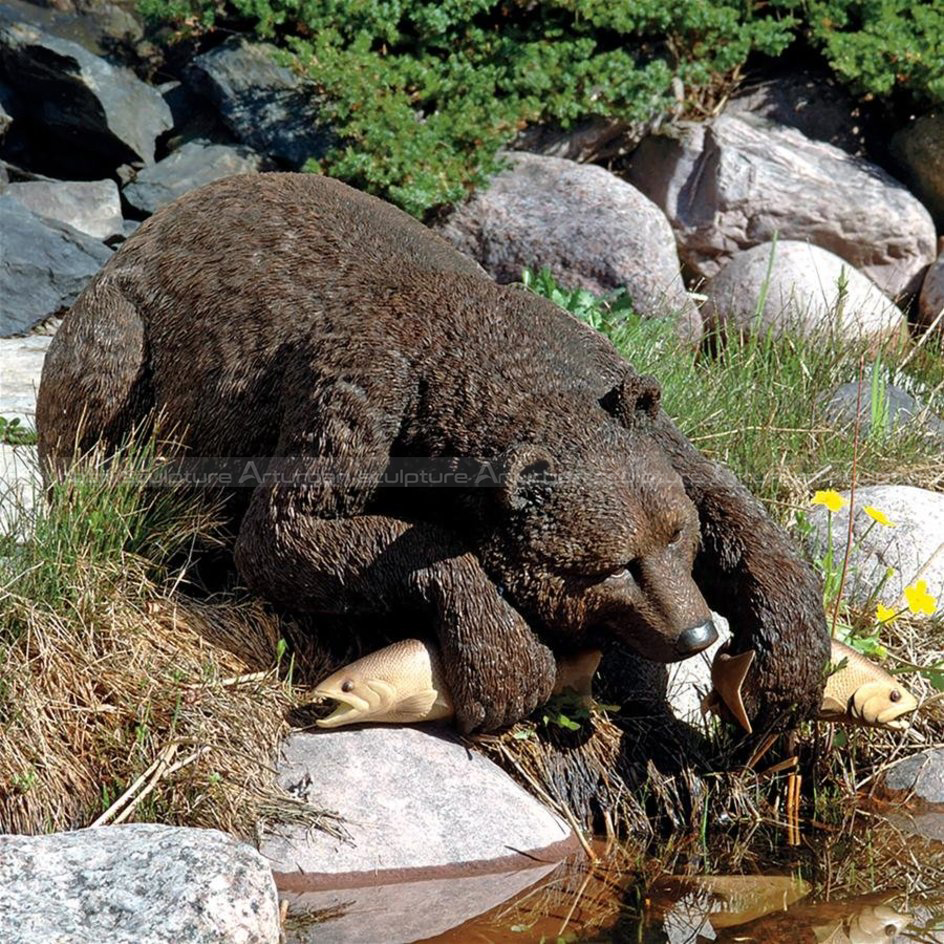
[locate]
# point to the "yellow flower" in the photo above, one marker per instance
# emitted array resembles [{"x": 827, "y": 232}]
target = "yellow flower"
[
  {"x": 879, "y": 516},
  {"x": 884, "y": 614},
  {"x": 918, "y": 598},
  {"x": 832, "y": 500}
]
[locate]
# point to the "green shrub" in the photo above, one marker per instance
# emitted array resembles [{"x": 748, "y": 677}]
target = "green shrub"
[
  {"x": 883, "y": 46},
  {"x": 424, "y": 93}
]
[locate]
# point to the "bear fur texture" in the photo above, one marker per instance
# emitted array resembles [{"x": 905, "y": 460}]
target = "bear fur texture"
[{"x": 291, "y": 318}]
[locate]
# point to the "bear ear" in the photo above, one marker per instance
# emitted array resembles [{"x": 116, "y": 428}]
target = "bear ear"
[
  {"x": 635, "y": 396},
  {"x": 526, "y": 471}
]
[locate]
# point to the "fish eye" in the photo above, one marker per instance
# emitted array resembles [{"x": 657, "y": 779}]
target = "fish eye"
[
  {"x": 347, "y": 685},
  {"x": 894, "y": 695}
]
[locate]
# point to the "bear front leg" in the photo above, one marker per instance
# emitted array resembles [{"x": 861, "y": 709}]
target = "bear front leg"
[
  {"x": 749, "y": 570},
  {"x": 496, "y": 668}
]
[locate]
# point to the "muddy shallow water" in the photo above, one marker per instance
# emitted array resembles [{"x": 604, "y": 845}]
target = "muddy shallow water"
[{"x": 865, "y": 881}]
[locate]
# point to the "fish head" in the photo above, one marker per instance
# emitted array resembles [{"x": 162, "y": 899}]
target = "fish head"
[
  {"x": 359, "y": 696},
  {"x": 879, "y": 704}
]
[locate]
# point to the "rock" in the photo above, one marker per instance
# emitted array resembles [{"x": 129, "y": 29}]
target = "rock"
[
  {"x": 43, "y": 266},
  {"x": 902, "y": 409},
  {"x": 803, "y": 294},
  {"x": 911, "y": 550},
  {"x": 92, "y": 207},
  {"x": 6, "y": 119},
  {"x": 931, "y": 300},
  {"x": 918, "y": 778},
  {"x": 102, "y": 113},
  {"x": 264, "y": 104},
  {"x": 400, "y": 912},
  {"x": 140, "y": 883},
  {"x": 734, "y": 182},
  {"x": 591, "y": 229},
  {"x": 19, "y": 486},
  {"x": 593, "y": 140},
  {"x": 417, "y": 804},
  {"x": 192, "y": 166},
  {"x": 21, "y": 364},
  {"x": 812, "y": 102},
  {"x": 919, "y": 150},
  {"x": 690, "y": 679}
]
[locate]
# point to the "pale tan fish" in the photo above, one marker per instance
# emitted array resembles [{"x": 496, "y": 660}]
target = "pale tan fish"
[
  {"x": 860, "y": 693},
  {"x": 403, "y": 683},
  {"x": 871, "y": 924},
  {"x": 710, "y": 903}
]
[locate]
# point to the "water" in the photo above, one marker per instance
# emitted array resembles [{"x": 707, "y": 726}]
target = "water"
[{"x": 865, "y": 880}]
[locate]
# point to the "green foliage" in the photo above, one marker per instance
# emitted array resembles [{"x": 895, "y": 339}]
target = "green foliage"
[
  {"x": 14, "y": 433},
  {"x": 424, "y": 93},
  {"x": 881, "y": 46}
]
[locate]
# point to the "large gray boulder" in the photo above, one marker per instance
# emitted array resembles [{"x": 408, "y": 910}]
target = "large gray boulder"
[
  {"x": 919, "y": 150},
  {"x": 92, "y": 207},
  {"x": 809, "y": 291},
  {"x": 135, "y": 884},
  {"x": 81, "y": 99},
  {"x": 735, "y": 182},
  {"x": 591, "y": 229},
  {"x": 264, "y": 104},
  {"x": 416, "y": 803},
  {"x": 189, "y": 167},
  {"x": 43, "y": 266},
  {"x": 895, "y": 556}
]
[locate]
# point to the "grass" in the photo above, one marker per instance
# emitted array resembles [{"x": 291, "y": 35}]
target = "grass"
[{"x": 121, "y": 697}]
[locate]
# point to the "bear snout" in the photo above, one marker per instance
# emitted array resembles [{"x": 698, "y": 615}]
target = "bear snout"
[{"x": 696, "y": 639}]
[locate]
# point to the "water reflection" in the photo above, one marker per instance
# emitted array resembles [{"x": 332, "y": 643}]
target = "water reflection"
[{"x": 868, "y": 883}]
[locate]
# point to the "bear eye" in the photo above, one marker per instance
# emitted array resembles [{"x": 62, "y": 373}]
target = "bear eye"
[{"x": 676, "y": 536}]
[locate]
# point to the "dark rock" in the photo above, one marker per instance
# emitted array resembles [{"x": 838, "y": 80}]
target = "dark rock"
[
  {"x": 192, "y": 166},
  {"x": 919, "y": 150},
  {"x": 83, "y": 111},
  {"x": 92, "y": 207},
  {"x": 813, "y": 103},
  {"x": 588, "y": 227},
  {"x": 931, "y": 299},
  {"x": 43, "y": 267},
  {"x": 264, "y": 104},
  {"x": 734, "y": 182},
  {"x": 903, "y": 410},
  {"x": 594, "y": 140},
  {"x": 142, "y": 882},
  {"x": 6, "y": 108},
  {"x": 416, "y": 803}
]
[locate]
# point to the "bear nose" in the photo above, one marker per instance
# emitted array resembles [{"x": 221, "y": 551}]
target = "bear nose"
[{"x": 696, "y": 638}]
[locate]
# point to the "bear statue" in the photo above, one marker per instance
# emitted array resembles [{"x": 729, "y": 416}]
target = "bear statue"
[{"x": 554, "y": 506}]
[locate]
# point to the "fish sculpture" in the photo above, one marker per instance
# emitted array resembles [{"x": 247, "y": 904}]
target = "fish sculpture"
[
  {"x": 697, "y": 906},
  {"x": 403, "y": 683},
  {"x": 858, "y": 692}
]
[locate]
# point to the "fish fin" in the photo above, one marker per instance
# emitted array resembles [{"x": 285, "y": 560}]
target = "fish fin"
[
  {"x": 728, "y": 676},
  {"x": 576, "y": 673},
  {"x": 417, "y": 707},
  {"x": 710, "y": 703},
  {"x": 832, "y": 709}
]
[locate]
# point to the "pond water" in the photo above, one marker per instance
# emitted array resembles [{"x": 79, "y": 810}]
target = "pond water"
[{"x": 867, "y": 880}]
